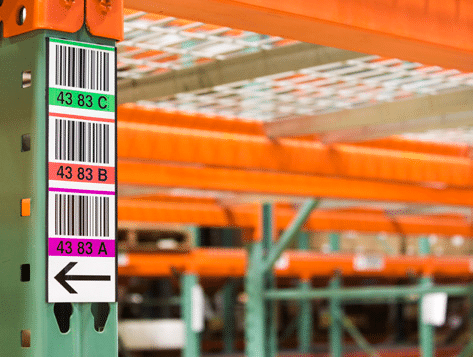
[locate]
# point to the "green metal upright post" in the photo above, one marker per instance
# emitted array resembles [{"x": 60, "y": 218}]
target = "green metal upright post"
[
  {"x": 189, "y": 305},
  {"x": 260, "y": 326},
  {"x": 31, "y": 326},
  {"x": 189, "y": 309},
  {"x": 426, "y": 331},
  {"x": 336, "y": 313},
  {"x": 229, "y": 296},
  {"x": 196, "y": 235},
  {"x": 305, "y": 309}
]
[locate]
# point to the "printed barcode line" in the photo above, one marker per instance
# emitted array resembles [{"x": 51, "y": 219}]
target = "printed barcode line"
[
  {"x": 82, "y": 215},
  {"x": 82, "y": 141},
  {"x": 82, "y": 68}
]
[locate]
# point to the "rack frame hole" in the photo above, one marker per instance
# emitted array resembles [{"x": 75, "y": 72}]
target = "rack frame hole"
[
  {"x": 63, "y": 312},
  {"x": 100, "y": 311},
  {"x": 25, "y": 142},
  {"x": 25, "y": 79},
  {"x": 25, "y": 272},
  {"x": 21, "y": 16},
  {"x": 26, "y": 338}
]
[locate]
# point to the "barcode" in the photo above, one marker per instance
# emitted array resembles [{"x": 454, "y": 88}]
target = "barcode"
[
  {"x": 82, "y": 141},
  {"x": 82, "y": 68},
  {"x": 82, "y": 215}
]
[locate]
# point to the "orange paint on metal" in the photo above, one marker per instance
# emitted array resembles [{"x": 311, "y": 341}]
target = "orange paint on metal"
[
  {"x": 437, "y": 33},
  {"x": 150, "y": 53},
  {"x": 297, "y": 185},
  {"x": 104, "y": 18},
  {"x": 402, "y": 144},
  {"x": 219, "y": 262},
  {"x": 250, "y": 152},
  {"x": 192, "y": 211},
  {"x": 60, "y": 15},
  {"x": 25, "y": 207},
  {"x": 138, "y": 114}
]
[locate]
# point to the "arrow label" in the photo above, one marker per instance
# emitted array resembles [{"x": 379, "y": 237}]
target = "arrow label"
[{"x": 62, "y": 277}]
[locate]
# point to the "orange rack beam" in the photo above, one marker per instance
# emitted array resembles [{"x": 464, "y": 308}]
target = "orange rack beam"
[
  {"x": 245, "y": 152},
  {"x": 133, "y": 113},
  {"x": 207, "y": 212},
  {"x": 432, "y": 32},
  {"x": 157, "y": 175},
  {"x": 165, "y": 156},
  {"x": 219, "y": 262}
]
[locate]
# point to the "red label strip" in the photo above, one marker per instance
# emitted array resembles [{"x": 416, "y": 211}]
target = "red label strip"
[{"x": 81, "y": 173}]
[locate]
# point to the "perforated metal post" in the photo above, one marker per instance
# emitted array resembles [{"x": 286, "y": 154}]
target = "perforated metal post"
[
  {"x": 336, "y": 326},
  {"x": 426, "y": 331},
  {"x": 189, "y": 308},
  {"x": 33, "y": 327},
  {"x": 229, "y": 297},
  {"x": 260, "y": 327},
  {"x": 305, "y": 310}
]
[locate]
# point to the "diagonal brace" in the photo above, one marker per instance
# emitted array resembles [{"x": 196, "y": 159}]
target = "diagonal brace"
[
  {"x": 468, "y": 351},
  {"x": 358, "y": 337},
  {"x": 289, "y": 234}
]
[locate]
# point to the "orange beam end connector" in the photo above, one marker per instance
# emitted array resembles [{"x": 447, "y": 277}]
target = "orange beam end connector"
[
  {"x": 104, "y": 17},
  {"x": 23, "y": 16}
]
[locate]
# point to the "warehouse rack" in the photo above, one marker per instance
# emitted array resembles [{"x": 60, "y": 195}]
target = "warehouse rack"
[
  {"x": 209, "y": 144},
  {"x": 156, "y": 158}
]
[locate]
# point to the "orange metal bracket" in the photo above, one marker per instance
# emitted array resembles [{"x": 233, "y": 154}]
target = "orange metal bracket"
[{"x": 104, "y": 17}]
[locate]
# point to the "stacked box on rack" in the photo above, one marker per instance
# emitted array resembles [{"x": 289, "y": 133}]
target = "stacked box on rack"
[
  {"x": 353, "y": 243},
  {"x": 154, "y": 237}
]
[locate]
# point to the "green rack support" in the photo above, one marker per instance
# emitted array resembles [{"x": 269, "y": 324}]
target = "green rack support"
[
  {"x": 380, "y": 294},
  {"x": 335, "y": 306},
  {"x": 426, "y": 331},
  {"x": 29, "y": 325},
  {"x": 193, "y": 337},
  {"x": 260, "y": 327},
  {"x": 229, "y": 297},
  {"x": 192, "y": 345},
  {"x": 305, "y": 310},
  {"x": 360, "y": 340}
]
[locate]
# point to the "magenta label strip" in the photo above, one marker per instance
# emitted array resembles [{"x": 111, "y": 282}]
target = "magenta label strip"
[
  {"x": 78, "y": 247},
  {"x": 72, "y": 190}
]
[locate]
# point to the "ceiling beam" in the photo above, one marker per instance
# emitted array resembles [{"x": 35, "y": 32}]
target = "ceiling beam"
[
  {"x": 435, "y": 32},
  {"x": 427, "y": 112},
  {"x": 263, "y": 63}
]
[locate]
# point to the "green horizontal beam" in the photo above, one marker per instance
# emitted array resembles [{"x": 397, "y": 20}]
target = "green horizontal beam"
[{"x": 367, "y": 293}]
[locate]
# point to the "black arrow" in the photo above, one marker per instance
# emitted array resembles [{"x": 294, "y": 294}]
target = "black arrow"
[{"x": 61, "y": 277}]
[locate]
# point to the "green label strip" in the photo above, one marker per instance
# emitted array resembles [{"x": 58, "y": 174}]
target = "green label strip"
[
  {"x": 82, "y": 44},
  {"x": 81, "y": 100}
]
